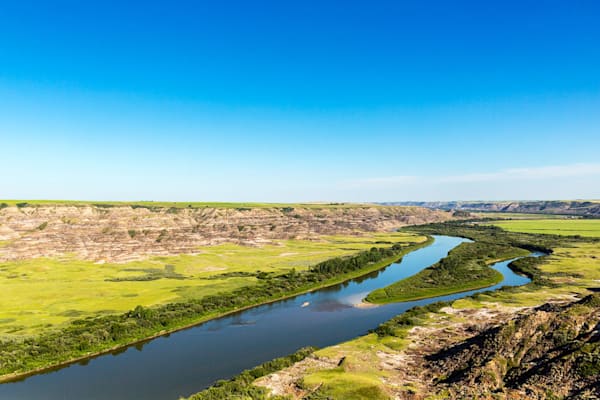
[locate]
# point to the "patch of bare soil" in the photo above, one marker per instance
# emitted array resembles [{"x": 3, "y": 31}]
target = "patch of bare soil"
[
  {"x": 410, "y": 377},
  {"x": 284, "y": 382},
  {"x": 364, "y": 304}
]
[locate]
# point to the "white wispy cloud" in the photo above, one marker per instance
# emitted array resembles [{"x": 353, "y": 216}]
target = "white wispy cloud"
[{"x": 512, "y": 174}]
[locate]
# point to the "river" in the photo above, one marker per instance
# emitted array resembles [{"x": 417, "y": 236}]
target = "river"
[{"x": 188, "y": 361}]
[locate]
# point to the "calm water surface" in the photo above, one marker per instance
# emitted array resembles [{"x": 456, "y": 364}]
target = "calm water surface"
[{"x": 190, "y": 360}]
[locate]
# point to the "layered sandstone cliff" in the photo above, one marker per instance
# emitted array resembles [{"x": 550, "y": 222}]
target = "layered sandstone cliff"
[{"x": 123, "y": 233}]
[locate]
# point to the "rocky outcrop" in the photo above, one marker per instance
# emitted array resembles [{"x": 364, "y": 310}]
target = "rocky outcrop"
[
  {"x": 123, "y": 233},
  {"x": 581, "y": 208},
  {"x": 550, "y": 352}
]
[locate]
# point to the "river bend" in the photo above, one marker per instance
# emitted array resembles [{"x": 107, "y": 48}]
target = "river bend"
[{"x": 188, "y": 361}]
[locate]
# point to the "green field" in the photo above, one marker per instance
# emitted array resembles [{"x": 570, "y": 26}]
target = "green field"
[
  {"x": 46, "y": 293},
  {"x": 582, "y": 227},
  {"x": 509, "y": 215},
  {"x": 171, "y": 204}
]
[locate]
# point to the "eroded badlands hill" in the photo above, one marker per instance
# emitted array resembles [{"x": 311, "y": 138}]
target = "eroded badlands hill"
[
  {"x": 550, "y": 352},
  {"x": 104, "y": 233},
  {"x": 564, "y": 207}
]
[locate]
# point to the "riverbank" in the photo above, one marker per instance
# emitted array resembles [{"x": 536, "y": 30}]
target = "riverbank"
[
  {"x": 190, "y": 322},
  {"x": 465, "y": 268}
]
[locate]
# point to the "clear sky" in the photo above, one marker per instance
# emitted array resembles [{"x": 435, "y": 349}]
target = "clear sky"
[{"x": 299, "y": 100}]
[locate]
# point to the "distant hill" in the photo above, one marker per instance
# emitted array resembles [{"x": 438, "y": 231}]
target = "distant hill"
[{"x": 583, "y": 208}]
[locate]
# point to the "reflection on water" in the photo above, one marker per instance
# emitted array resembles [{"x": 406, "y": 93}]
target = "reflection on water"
[
  {"x": 242, "y": 322},
  {"x": 329, "y": 306},
  {"x": 190, "y": 360}
]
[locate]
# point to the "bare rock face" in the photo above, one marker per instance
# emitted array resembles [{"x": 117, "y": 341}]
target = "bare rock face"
[
  {"x": 548, "y": 353},
  {"x": 124, "y": 233}
]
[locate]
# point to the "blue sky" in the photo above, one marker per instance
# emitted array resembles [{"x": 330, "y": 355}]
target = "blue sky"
[{"x": 300, "y": 101}]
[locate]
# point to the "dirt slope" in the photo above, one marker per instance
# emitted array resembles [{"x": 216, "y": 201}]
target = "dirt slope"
[{"x": 551, "y": 352}]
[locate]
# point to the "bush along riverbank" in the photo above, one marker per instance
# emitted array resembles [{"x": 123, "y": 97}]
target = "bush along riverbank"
[
  {"x": 465, "y": 268},
  {"x": 240, "y": 387},
  {"x": 92, "y": 336},
  {"x": 482, "y": 233}
]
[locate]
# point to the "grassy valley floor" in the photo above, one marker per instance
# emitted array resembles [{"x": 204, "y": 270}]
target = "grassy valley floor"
[
  {"x": 243, "y": 277},
  {"x": 46, "y": 293}
]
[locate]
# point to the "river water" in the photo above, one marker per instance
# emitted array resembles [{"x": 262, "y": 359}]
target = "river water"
[{"x": 190, "y": 360}]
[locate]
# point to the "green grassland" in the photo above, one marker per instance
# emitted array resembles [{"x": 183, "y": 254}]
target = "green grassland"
[
  {"x": 170, "y": 204},
  {"x": 572, "y": 268},
  {"x": 357, "y": 378},
  {"x": 49, "y": 293},
  {"x": 582, "y": 227}
]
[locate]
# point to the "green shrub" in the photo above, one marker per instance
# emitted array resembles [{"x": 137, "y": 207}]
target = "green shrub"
[{"x": 241, "y": 385}]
